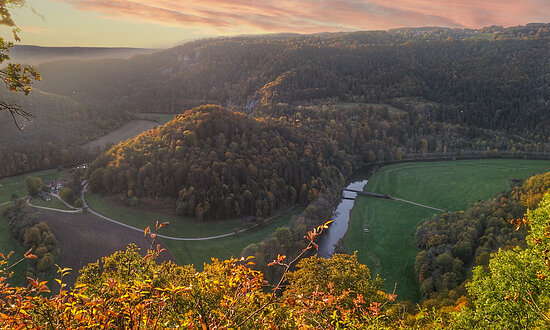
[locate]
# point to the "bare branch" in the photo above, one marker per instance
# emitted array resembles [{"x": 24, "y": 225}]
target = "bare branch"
[{"x": 16, "y": 113}]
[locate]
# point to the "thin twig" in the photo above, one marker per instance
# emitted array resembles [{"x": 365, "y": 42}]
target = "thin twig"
[
  {"x": 15, "y": 112},
  {"x": 311, "y": 237}
]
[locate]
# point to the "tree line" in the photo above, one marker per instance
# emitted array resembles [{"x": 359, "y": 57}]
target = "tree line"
[
  {"x": 25, "y": 226},
  {"x": 452, "y": 243}
]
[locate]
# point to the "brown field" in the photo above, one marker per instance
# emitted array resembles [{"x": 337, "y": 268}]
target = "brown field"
[
  {"x": 84, "y": 238},
  {"x": 127, "y": 131}
]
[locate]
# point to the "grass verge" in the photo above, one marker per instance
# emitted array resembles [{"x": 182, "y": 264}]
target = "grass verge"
[
  {"x": 199, "y": 252},
  {"x": 54, "y": 203}
]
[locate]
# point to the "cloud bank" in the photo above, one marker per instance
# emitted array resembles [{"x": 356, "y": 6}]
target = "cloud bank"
[{"x": 310, "y": 16}]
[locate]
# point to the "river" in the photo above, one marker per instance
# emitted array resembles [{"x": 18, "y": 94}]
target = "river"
[{"x": 341, "y": 216}]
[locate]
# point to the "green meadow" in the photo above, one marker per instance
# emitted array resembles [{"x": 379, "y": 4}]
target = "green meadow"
[
  {"x": 388, "y": 248},
  {"x": 199, "y": 252},
  {"x": 16, "y": 184},
  {"x": 8, "y": 244},
  {"x": 187, "y": 252}
]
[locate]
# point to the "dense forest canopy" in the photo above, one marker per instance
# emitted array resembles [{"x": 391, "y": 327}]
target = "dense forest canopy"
[
  {"x": 491, "y": 78},
  {"x": 210, "y": 162},
  {"x": 56, "y": 135},
  {"x": 219, "y": 164},
  {"x": 451, "y": 244}
]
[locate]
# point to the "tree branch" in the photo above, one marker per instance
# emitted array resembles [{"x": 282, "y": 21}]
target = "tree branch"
[{"x": 16, "y": 112}]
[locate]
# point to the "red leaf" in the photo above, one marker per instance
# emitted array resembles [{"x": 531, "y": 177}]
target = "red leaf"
[{"x": 29, "y": 255}]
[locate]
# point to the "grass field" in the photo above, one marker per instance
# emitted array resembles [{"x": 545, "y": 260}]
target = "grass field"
[
  {"x": 137, "y": 217},
  {"x": 127, "y": 131},
  {"x": 199, "y": 252},
  {"x": 187, "y": 252},
  {"x": 388, "y": 249},
  {"x": 54, "y": 203},
  {"x": 16, "y": 184}
]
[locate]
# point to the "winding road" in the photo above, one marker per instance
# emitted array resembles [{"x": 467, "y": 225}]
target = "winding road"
[
  {"x": 74, "y": 210},
  {"x": 85, "y": 189},
  {"x": 99, "y": 215}
]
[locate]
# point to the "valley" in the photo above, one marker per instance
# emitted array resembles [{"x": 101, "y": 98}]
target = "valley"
[
  {"x": 388, "y": 221},
  {"x": 85, "y": 238},
  {"x": 244, "y": 145}
]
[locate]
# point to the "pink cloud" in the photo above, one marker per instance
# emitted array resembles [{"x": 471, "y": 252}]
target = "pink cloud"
[
  {"x": 36, "y": 30},
  {"x": 309, "y": 16}
]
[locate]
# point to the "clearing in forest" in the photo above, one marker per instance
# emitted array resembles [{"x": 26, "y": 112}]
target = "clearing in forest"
[{"x": 123, "y": 133}]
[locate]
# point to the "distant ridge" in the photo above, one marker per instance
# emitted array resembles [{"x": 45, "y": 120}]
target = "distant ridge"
[{"x": 36, "y": 54}]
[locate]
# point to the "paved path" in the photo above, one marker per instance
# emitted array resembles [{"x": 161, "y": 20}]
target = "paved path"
[
  {"x": 85, "y": 189},
  {"x": 386, "y": 196},
  {"x": 417, "y": 204},
  {"x": 28, "y": 200}
]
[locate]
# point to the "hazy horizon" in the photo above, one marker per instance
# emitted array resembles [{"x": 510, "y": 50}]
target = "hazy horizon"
[{"x": 162, "y": 24}]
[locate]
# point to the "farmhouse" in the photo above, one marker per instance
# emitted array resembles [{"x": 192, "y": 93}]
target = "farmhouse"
[{"x": 56, "y": 185}]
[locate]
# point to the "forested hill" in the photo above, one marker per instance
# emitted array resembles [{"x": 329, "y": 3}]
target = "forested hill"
[
  {"x": 214, "y": 163},
  {"x": 218, "y": 164},
  {"x": 491, "y": 78}
]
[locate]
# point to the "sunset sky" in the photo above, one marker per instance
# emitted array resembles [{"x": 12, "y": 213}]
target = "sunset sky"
[{"x": 161, "y": 23}]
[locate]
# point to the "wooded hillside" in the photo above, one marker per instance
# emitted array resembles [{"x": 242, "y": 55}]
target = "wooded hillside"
[
  {"x": 210, "y": 162},
  {"x": 492, "y": 78},
  {"x": 219, "y": 164}
]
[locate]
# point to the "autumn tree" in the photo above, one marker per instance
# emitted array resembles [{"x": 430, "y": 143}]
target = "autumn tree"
[
  {"x": 33, "y": 185},
  {"x": 514, "y": 292},
  {"x": 67, "y": 195}
]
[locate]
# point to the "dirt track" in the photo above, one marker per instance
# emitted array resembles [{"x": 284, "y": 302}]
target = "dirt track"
[{"x": 85, "y": 238}]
